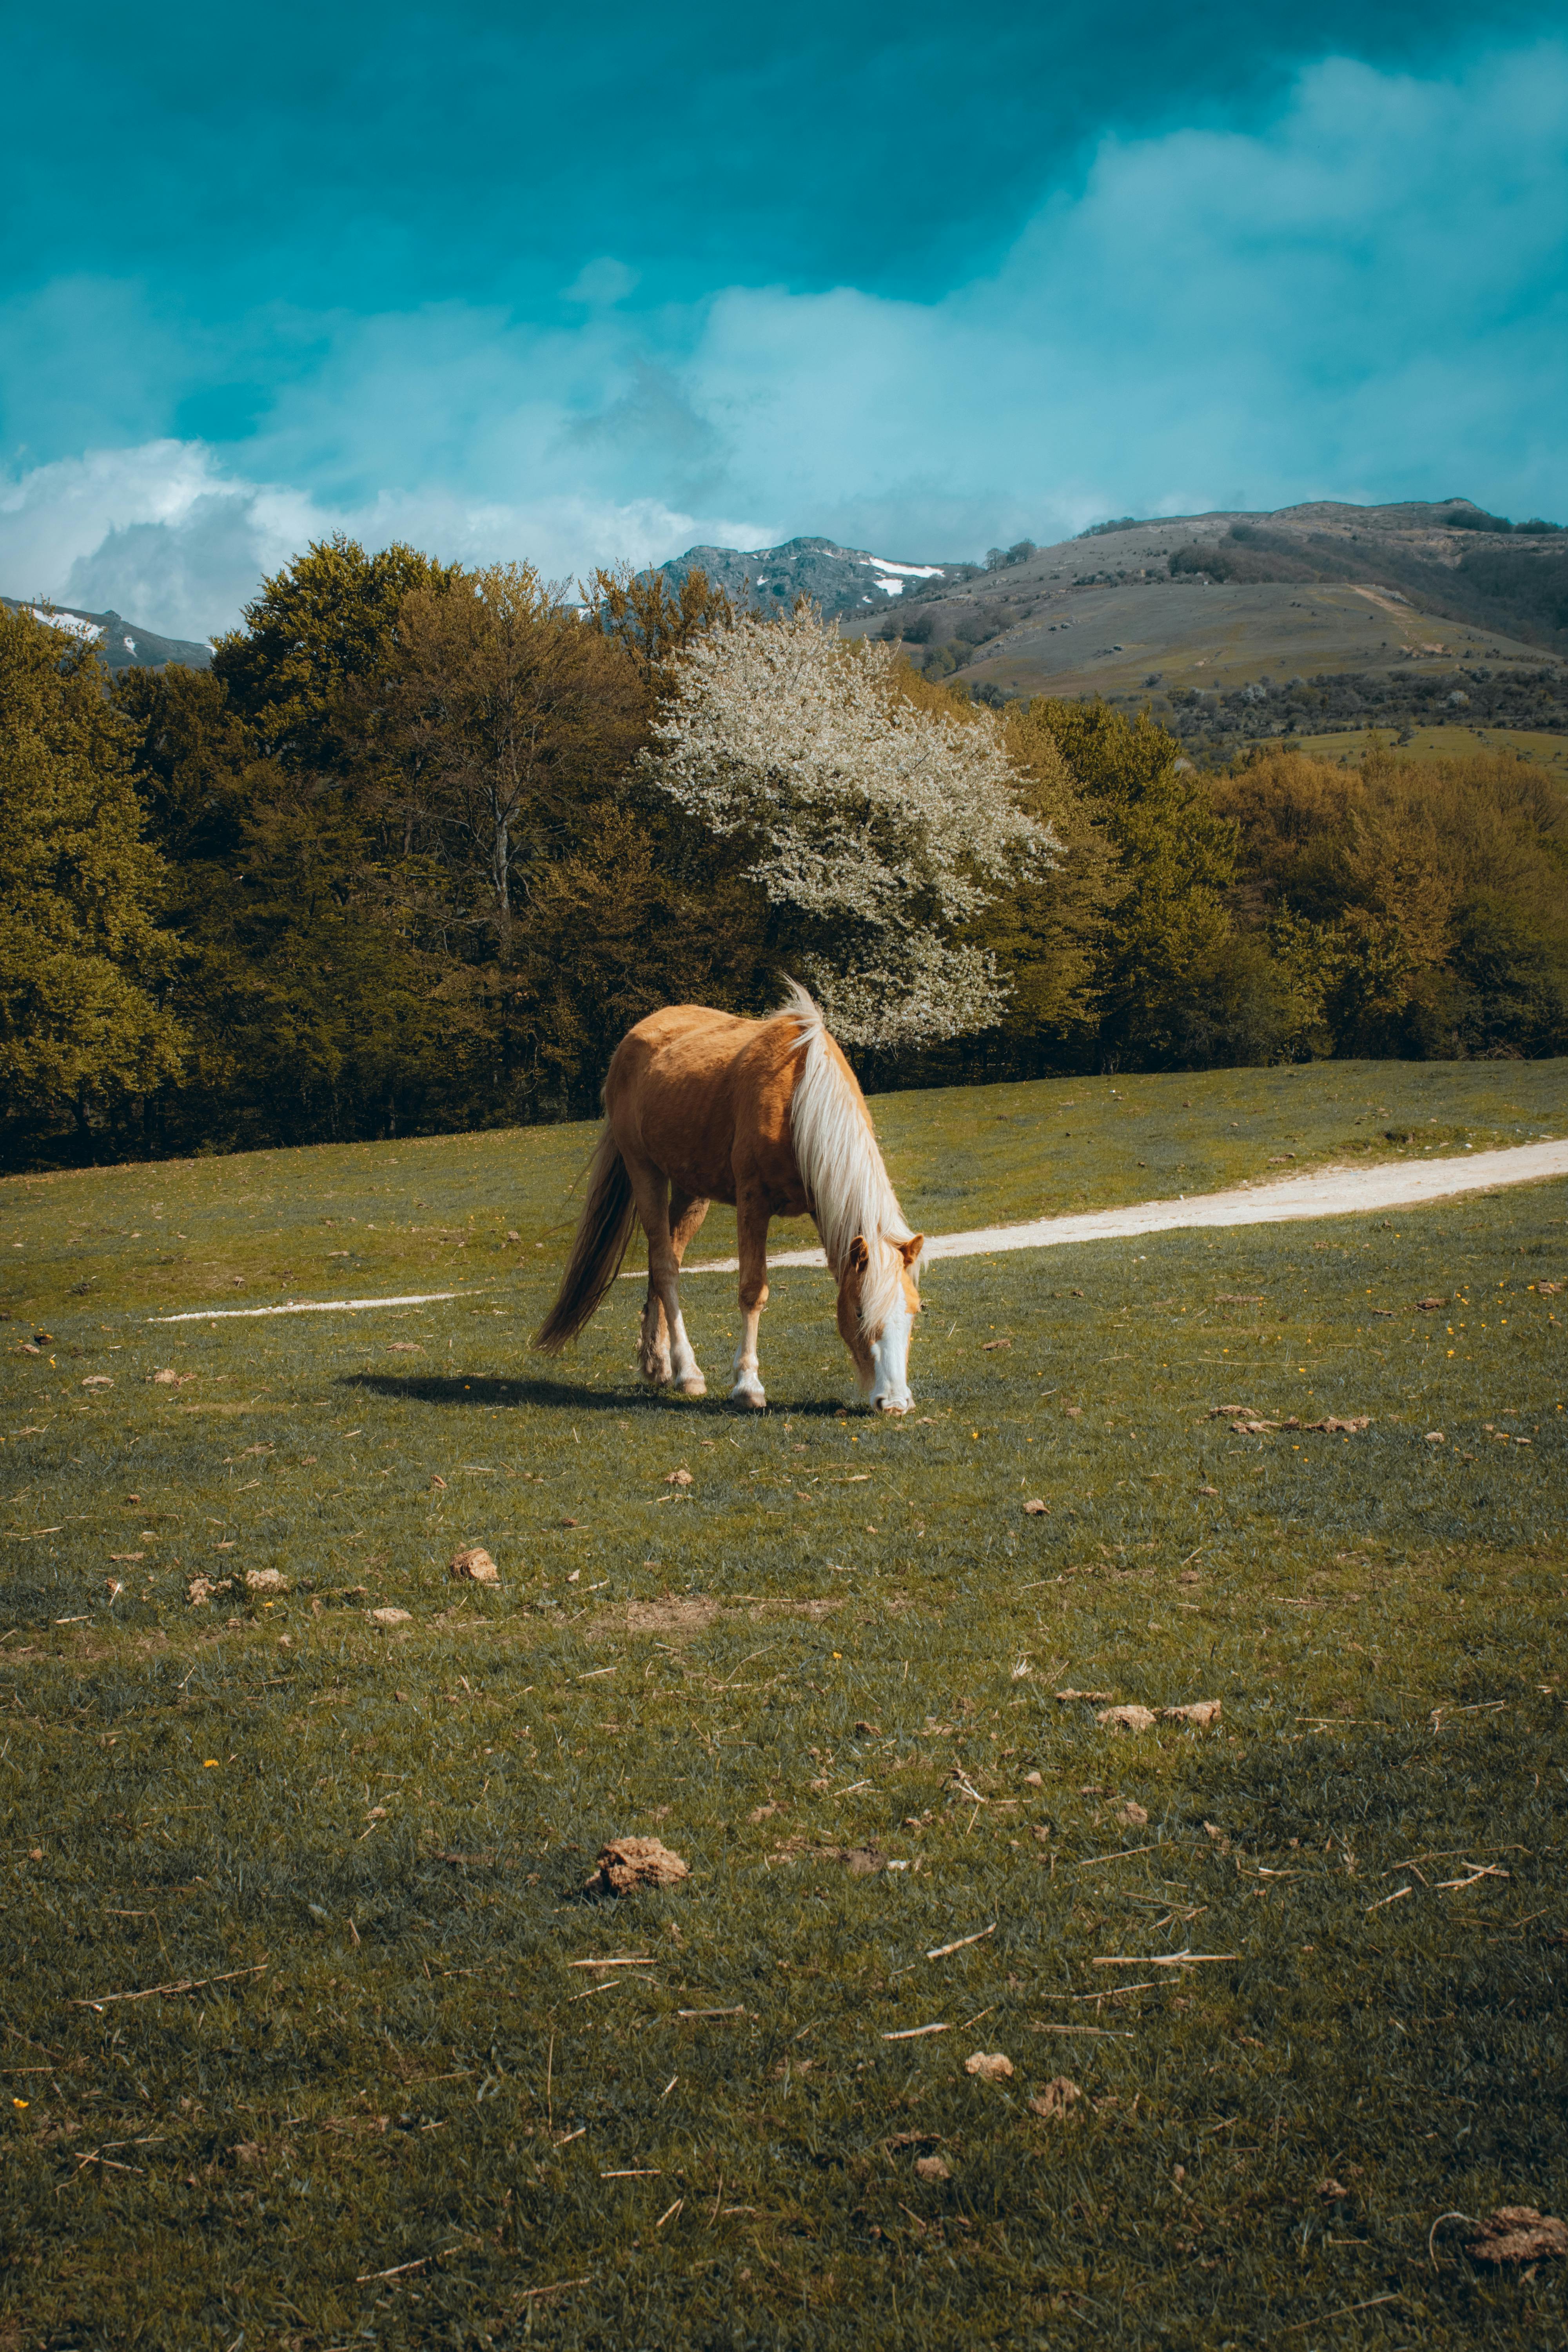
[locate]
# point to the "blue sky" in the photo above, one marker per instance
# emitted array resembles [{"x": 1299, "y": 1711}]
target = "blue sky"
[{"x": 583, "y": 285}]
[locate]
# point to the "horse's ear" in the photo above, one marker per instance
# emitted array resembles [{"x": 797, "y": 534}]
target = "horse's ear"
[
  {"x": 860, "y": 1256},
  {"x": 910, "y": 1250}
]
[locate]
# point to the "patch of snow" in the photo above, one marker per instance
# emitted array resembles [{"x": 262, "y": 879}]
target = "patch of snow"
[
  {"x": 71, "y": 623},
  {"x": 890, "y": 587},
  {"x": 909, "y": 571},
  {"x": 130, "y": 645}
]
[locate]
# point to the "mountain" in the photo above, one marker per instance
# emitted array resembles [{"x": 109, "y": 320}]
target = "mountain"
[
  {"x": 124, "y": 644},
  {"x": 842, "y": 581},
  {"x": 1239, "y": 625}
]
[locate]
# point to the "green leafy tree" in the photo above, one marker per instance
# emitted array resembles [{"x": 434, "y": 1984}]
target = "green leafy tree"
[
  {"x": 310, "y": 977},
  {"x": 1164, "y": 960},
  {"x": 318, "y": 631},
  {"x": 83, "y": 958}
]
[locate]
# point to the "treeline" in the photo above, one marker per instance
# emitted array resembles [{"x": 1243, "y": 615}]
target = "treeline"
[
  {"x": 1221, "y": 723},
  {"x": 425, "y": 841}
]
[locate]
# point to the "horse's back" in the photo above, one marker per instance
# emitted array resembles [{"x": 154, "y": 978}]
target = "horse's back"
[{"x": 692, "y": 1087}]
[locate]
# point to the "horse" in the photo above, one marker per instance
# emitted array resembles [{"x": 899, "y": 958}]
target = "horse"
[{"x": 766, "y": 1114}]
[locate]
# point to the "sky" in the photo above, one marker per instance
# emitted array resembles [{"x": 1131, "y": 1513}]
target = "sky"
[{"x": 510, "y": 283}]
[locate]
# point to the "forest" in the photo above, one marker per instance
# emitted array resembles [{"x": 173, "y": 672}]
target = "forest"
[{"x": 425, "y": 841}]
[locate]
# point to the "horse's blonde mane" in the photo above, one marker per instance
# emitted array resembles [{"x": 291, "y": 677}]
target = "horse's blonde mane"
[{"x": 840, "y": 1165}]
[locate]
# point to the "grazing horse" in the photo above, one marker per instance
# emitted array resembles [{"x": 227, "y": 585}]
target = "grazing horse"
[{"x": 767, "y": 1115}]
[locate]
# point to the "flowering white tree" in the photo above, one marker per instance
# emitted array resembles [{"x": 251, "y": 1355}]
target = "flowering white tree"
[{"x": 878, "y": 830}]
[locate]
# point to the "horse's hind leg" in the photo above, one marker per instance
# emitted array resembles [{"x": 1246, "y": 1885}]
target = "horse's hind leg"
[
  {"x": 686, "y": 1214},
  {"x": 753, "y": 1220},
  {"x": 653, "y": 1345},
  {"x": 666, "y": 1354}
]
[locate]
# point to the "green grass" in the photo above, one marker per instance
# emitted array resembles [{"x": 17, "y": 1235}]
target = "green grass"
[{"x": 856, "y": 1624}]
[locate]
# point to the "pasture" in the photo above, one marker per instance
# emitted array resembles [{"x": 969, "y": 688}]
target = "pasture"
[
  {"x": 1452, "y": 742},
  {"x": 306, "y": 2043}
]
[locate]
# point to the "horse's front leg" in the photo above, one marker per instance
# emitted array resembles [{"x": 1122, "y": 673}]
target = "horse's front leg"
[{"x": 751, "y": 1217}]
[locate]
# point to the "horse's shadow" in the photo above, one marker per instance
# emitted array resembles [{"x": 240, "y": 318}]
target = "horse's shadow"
[{"x": 431, "y": 1387}]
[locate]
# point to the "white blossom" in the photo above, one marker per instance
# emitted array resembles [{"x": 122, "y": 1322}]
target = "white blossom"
[{"x": 878, "y": 830}]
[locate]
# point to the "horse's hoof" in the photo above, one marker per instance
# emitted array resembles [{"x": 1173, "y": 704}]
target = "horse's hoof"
[
  {"x": 694, "y": 1385},
  {"x": 755, "y": 1398}
]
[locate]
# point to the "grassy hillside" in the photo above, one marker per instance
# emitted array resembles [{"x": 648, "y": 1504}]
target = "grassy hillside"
[
  {"x": 1111, "y": 639},
  {"x": 1366, "y": 612},
  {"x": 303, "y": 2049}
]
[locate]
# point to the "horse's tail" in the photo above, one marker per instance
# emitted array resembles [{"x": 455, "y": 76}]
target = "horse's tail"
[{"x": 603, "y": 1231}]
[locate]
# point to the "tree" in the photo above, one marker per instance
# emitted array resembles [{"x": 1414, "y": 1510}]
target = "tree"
[
  {"x": 655, "y": 625},
  {"x": 317, "y": 632},
  {"x": 504, "y": 711},
  {"x": 1163, "y": 960},
  {"x": 877, "y": 831},
  {"x": 82, "y": 957}
]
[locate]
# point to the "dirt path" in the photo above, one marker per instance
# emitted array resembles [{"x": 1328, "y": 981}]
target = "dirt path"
[{"x": 1325, "y": 1193}]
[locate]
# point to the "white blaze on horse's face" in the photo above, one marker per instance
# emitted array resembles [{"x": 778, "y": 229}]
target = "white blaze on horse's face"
[{"x": 881, "y": 1355}]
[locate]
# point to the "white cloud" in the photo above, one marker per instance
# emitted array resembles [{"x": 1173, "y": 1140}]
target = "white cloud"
[{"x": 1357, "y": 301}]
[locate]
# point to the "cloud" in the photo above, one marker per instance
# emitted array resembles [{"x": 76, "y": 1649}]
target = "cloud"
[
  {"x": 187, "y": 543},
  {"x": 1362, "y": 298}
]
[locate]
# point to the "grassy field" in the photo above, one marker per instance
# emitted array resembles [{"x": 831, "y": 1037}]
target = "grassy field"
[
  {"x": 300, "y": 2047},
  {"x": 1547, "y": 751}
]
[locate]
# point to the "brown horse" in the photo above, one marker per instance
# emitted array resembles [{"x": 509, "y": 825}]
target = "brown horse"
[{"x": 766, "y": 1114}]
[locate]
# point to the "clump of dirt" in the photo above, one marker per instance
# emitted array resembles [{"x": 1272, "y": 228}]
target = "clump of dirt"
[
  {"x": 1519, "y": 2233},
  {"x": 473, "y": 1563},
  {"x": 1057, "y": 2099},
  {"x": 628, "y": 1863}
]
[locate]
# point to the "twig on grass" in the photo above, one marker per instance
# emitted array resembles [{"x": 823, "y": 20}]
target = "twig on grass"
[
  {"x": 188, "y": 1984},
  {"x": 1160, "y": 1960},
  {"x": 1432, "y": 2233},
  {"x": 1319, "y": 2318},
  {"x": 621, "y": 1960},
  {"x": 912, "y": 2032},
  {"x": 669, "y": 2214},
  {"x": 737, "y": 2011},
  {"x": 1093, "y": 1861},
  {"x": 1398, "y": 1894},
  {"x": 942, "y": 1950},
  {"x": 1100, "y": 2032}
]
